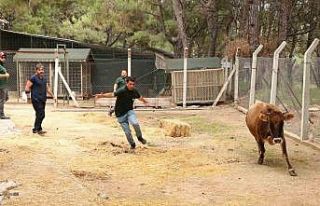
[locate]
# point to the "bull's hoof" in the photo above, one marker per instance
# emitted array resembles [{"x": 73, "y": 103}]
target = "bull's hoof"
[
  {"x": 260, "y": 161},
  {"x": 292, "y": 172}
]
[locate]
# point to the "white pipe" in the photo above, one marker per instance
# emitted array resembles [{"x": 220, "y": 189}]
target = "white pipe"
[
  {"x": 253, "y": 74},
  {"x": 306, "y": 90},
  {"x": 55, "y": 89},
  {"x": 185, "y": 67},
  {"x": 275, "y": 67},
  {"x": 68, "y": 88},
  {"x": 224, "y": 87},
  {"x": 129, "y": 62},
  {"x": 236, "y": 77}
]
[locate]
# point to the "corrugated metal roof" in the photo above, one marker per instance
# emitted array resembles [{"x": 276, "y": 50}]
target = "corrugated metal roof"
[
  {"x": 41, "y": 36},
  {"x": 193, "y": 63},
  {"x": 48, "y": 55}
]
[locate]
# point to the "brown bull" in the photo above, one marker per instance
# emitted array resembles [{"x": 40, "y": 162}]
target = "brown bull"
[{"x": 265, "y": 122}]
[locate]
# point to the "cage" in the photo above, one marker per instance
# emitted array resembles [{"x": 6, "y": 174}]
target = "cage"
[{"x": 75, "y": 66}]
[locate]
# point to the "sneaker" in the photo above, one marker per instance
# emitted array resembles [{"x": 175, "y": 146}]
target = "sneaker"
[
  {"x": 133, "y": 146},
  {"x": 41, "y": 132},
  {"x": 4, "y": 117},
  {"x": 143, "y": 141}
]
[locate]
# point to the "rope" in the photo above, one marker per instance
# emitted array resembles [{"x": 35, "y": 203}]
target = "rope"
[
  {"x": 285, "y": 108},
  {"x": 152, "y": 71}
]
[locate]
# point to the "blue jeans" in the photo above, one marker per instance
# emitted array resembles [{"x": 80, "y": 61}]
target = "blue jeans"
[{"x": 124, "y": 120}]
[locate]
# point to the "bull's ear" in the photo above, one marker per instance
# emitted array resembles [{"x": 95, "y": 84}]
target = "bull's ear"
[
  {"x": 263, "y": 117},
  {"x": 287, "y": 116}
]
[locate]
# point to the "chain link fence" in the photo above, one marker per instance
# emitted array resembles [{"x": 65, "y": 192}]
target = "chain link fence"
[
  {"x": 106, "y": 71},
  {"x": 315, "y": 99},
  {"x": 244, "y": 81},
  {"x": 289, "y": 89}
]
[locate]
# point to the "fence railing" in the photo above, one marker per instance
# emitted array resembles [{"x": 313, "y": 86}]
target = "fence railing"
[
  {"x": 293, "y": 84},
  {"x": 290, "y": 83}
]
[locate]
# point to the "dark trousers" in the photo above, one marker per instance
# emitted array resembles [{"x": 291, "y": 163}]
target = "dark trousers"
[
  {"x": 3, "y": 99},
  {"x": 39, "y": 108}
]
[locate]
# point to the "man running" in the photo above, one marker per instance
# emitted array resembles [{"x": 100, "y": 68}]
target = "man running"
[{"x": 124, "y": 109}]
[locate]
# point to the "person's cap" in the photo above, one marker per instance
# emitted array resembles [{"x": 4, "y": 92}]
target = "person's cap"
[{"x": 3, "y": 55}]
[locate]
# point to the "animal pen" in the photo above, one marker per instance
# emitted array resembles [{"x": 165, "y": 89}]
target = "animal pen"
[
  {"x": 203, "y": 86},
  {"x": 205, "y": 78},
  {"x": 75, "y": 66},
  {"x": 293, "y": 84}
]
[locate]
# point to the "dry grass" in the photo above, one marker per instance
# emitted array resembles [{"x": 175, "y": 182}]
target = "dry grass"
[{"x": 85, "y": 154}]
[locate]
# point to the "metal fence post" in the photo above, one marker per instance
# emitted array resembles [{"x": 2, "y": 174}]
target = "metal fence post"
[
  {"x": 185, "y": 67},
  {"x": 227, "y": 66},
  {"x": 56, "y": 67},
  {"x": 129, "y": 61},
  {"x": 18, "y": 81},
  {"x": 236, "y": 78},
  {"x": 68, "y": 88},
  {"x": 306, "y": 90},
  {"x": 275, "y": 67},
  {"x": 253, "y": 75}
]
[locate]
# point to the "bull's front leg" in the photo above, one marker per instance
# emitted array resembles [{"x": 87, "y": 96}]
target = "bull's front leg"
[
  {"x": 285, "y": 154},
  {"x": 262, "y": 150}
]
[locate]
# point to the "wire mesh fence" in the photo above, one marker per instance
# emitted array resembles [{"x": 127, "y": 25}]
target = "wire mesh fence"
[
  {"x": 263, "y": 79},
  {"x": 289, "y": 89},
  {"x": 100, "y": 74},
  {"x": 315, "y": 99},
  {"x": 149, "y": 81},
  {"x": 244, "y": 81}
]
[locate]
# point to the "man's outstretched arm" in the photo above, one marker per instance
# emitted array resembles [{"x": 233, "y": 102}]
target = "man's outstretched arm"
[
  {"x": 144, "y": 101},
  {"x": 105, "y": 95}
]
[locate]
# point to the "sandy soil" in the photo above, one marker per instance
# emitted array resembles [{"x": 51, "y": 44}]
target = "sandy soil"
[{"x": 84, "y": 160}]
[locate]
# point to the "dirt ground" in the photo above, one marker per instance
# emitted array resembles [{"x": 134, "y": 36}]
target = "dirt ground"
[{"x": 85, "y": 160}]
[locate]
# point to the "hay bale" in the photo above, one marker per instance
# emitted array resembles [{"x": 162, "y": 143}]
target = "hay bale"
[{"x": 175, "y": 128}]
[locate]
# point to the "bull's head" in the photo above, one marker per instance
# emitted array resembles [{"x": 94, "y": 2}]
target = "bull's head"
[{"x": 275, "y": 120}]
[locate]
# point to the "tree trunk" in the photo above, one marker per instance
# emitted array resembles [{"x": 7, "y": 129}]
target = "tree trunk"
[
  {"x": 162, "y": 24},
  {"x": 314, "y": 21},
  {"x": 178, "y": 8},
  {"x": 211, "y": 12},
  {"x": 254, "y": 27},
  {"x": 285, "y": 8},
  {"x": 243, "y": 19}
]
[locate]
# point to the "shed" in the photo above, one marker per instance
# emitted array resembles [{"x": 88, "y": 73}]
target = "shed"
[
  {"x": 203, "y": 86},
  {"x": 205, "y": 78},
  {"x": 75, "y": 66}
]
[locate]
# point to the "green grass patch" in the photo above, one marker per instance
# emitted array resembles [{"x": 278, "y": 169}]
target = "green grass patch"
[
  {"x": 315, "y": 95},
  {"x": 203, "y": 125}
]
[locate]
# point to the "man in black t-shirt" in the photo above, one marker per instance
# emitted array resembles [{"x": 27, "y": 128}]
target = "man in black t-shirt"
[{"x": 124, "y": 109}]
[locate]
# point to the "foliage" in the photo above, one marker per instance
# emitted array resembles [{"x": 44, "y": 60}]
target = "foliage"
[{"x": 209, "y": 24}]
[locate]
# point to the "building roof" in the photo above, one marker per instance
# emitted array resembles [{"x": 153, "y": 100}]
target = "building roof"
[
  {"x": 193, "y": 63},
  {"x": 13, "y": 41},
  {"x": 48, "y": 55}
]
